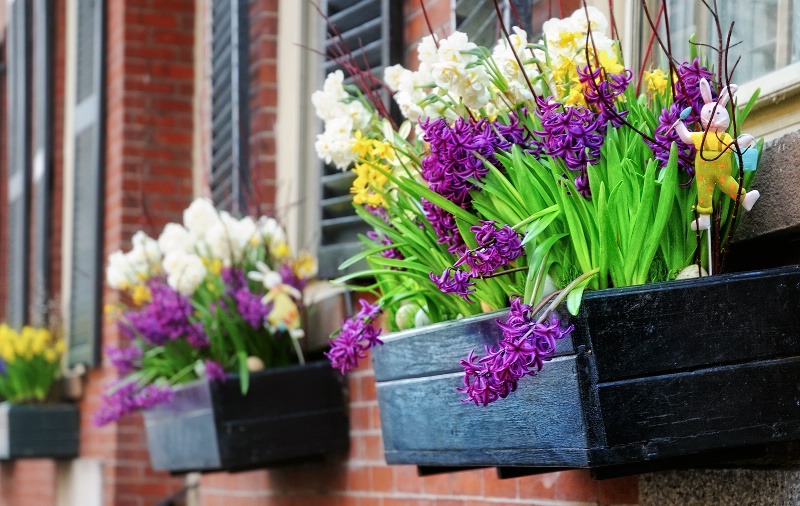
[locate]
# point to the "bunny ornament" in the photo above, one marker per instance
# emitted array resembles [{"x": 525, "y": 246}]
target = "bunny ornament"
[{"x": 714, "y": 161}]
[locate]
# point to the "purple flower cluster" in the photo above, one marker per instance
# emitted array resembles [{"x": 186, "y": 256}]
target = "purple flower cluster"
[
  {"x": 688, "y": 85},
  {"x": 248, "y": 304},
  {"x": 457, "y": 154},
  {"x": 601, "y": 93},
  {"x": 126, "y": 359},
  {"x": 496, "y": 248},
  {"x": 356, "y": 337},
  {"x": 250, "y": 307},
  {"x": 525, "y": 346},
  {"x": 454, "y": 281},
  {"x": 687, "y": 94},
  {"x": 444, "y": 224},
  {"x": 214, "y": 371},
  {"x": 128, "y": 398},
  {"x": 166, "y": 318},
  {"x": 665, "y": 135},
  {"x": 382, "y": 239},
  {"x": 574, "y": 134}
]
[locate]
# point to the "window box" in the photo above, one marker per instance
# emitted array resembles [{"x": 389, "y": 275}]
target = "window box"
[
  {"x": 695, "y": 372},
  {"x": 289, "y": 415},
  {"x": 38, "y": 431}
]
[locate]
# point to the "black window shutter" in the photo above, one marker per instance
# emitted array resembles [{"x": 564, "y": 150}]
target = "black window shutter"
[
  {"x": 87, "y": 206},
  {"x": 373, "y": 31},
  {"x": 42, "y": 158},
  {"x": 19, "y": 160},
  {"x": 230, "y": 105}
]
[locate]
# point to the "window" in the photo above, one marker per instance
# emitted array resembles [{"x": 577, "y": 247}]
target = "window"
[
  {"x": 42, "y": 158},
  {"x": 229, "y": 105},
  {"x": 768, "y": 32},
  {"x": 478, "y": 19},
  {"x": 87, "y": 138},
  {"x": 19, "y": 160},
  {"x": 371, "y": 29}
]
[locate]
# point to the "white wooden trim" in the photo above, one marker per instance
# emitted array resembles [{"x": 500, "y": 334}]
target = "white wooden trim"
[
  {"x": 68, "y": 159},
  {"x": 296, "y": 166}
]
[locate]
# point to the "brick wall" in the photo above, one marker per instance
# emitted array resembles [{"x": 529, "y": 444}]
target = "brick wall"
[
  {"x": 30, "y": 482},
  {"x": 148, "y": 183},
  {"x": 150, "y": 83},
  {"x": 263, "y": 19}
]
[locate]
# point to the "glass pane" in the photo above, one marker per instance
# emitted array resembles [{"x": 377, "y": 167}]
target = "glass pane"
[{"x": 768, "y": 33}]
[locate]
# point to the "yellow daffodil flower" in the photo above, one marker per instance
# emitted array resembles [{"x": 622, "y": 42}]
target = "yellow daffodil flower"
[{"x": 141, "y": 294}]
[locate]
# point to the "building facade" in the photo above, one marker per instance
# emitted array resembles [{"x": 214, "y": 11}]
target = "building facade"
[{"x": 117, "y": 114}]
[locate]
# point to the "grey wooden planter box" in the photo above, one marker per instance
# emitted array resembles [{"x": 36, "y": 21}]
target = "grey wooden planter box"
[
  {"x": 684, "y": 373},
  {"x": 39, "y": 431},
  {"x": 289, "y": 415}
]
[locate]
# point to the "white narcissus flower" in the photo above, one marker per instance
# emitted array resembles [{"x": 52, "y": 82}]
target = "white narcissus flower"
[
  {"x": 144, "y": 257},
  {"x": 453, "y": 47},
  {"x": 185, "y": 271},
  {"x": 448, "y": 73},
  {"x": 200, "y": 216},
  {"x": 596, "y": 18},
  {"x": 508, "y": 60},
  {"x": 327, "y": 102},
  {"x": 119, "y": 273},
  {"x": 392, "y": 76},
  {"x": 175, "y": 237},
  {"x": 333, "y": 145},
  {"x": 272, "y": 231},
  {"x": 359, "y": 114},
  {"x": 473, "y": 88},
  {"x": 334, "y": 85},
  {"x": 225, "y": 242}
]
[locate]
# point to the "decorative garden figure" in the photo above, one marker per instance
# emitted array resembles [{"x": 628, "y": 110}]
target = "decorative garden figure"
[{"x": 714, "y": 159}]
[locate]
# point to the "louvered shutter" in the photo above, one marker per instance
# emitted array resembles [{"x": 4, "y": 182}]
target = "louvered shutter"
[
  {"x": 372, "y": 30},
  {"x": 478, "y": 19},
  {"x": 19, "y": 159},
  {"x": 42, "y": 158},
  {"x": 229, "y": 105},
  {"x": 87, "y": 205}
]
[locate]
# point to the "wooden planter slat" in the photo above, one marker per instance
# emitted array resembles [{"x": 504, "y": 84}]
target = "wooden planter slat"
[
  {"x": 39, "y": 431},
  {"x": 652, "y": 374},
  {"x": 289, "y": 415}
]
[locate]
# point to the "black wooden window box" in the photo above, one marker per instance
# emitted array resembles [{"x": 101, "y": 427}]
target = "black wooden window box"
[
  {"x": 685, "y": 373},
  {"x": 38, "y": 431},
  {"x": 289, "y": 415}
]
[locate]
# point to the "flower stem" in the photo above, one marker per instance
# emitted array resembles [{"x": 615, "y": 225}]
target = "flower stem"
[
  {"x": 563, "y": 293},
  {"x": 501, "y": 273}
]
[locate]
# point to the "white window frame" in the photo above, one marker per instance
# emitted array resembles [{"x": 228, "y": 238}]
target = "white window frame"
[{"x": 775, "y": 87}]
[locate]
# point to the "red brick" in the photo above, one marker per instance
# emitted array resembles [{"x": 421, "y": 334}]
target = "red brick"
[
  {"x": 619, "y": 491},
  {"x": 383, "y": 479},
  {"x": 437, "y": 484},
  {"x": 495, "y": 487},
  {"x": 407, "y": 480},
  {"x": 575, "y": 486},
  {"x": 467, "y": 483},
  {"x": 540, "y": 486}
]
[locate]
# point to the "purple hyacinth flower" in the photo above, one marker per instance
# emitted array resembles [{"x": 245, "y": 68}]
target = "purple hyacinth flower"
[
  {"x": 525, "y": 346},
  {"x": 357, "y": 335},
  {"x": 167, "y": 317},
  {"x": 214, "y": 371},
  {"x": 454, "y": 281},
  {"x": 127, "y": 359}
]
